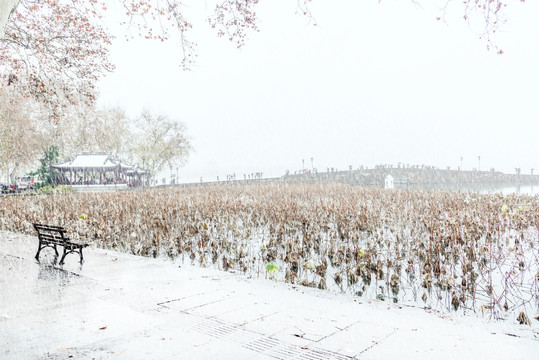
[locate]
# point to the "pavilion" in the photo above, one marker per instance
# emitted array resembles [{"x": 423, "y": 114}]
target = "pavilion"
[{"x": 98, "y": 168}]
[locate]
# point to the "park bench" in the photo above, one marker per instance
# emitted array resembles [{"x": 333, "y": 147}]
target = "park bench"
[{"x": 53, "y": 236}]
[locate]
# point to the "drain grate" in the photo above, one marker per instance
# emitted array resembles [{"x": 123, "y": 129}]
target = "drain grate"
[
  {"x": 254, "y": 341},
  {"x": 223, "y": 330},
  {"x": 281, "y": 350},
  {"x": 117, "y": 297}
]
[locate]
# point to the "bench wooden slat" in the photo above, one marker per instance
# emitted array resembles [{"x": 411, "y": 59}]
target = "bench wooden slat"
[
  {"x": 52, "y": 235},
  {"x": 52, "y": 240},
  {"x": 50, "y": 228}
]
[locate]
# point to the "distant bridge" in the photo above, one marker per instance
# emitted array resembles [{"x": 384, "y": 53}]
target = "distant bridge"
[{"x": 427, "y": 179}]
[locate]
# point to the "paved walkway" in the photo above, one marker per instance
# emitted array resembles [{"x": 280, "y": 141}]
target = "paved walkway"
[{"x": 118, "y": 306}]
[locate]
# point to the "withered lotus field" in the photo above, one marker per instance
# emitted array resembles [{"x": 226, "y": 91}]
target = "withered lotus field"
[{"x": 464, "y": 252}]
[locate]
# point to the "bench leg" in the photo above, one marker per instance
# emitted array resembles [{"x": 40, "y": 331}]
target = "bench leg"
[
  {"x": 81, "y": 258},
  {"x": 38, "y": 251},
  {"x": 41, "y": 246},
  {"x": 63, "y": 257}
]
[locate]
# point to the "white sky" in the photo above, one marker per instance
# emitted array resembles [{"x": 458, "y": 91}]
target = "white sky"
[{"x": 372, "y": 83}]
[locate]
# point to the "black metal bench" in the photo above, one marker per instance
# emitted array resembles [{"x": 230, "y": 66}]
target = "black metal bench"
[{"x": 53, "y": 236}]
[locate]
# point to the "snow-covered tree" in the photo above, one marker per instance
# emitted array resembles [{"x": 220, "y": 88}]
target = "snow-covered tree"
[
  {"x": 54, "y": 51},
  {"x": 20, "y": 139},
  {"x": 159, "y": 141},
  {"x": 87, "y": 128}
]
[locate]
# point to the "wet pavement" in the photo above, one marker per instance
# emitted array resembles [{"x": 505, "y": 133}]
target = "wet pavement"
[{"x": 118, "y": 306}]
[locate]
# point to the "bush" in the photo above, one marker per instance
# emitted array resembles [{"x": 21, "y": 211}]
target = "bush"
[{"x": 52, "y": 190}]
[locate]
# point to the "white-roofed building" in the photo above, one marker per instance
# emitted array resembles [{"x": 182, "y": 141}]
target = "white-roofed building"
[{"x": 100, "y": 168}]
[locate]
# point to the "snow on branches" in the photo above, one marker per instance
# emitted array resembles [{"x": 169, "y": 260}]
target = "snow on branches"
[
  {"x": 55, "y": 51},
  {"x": 485, "y": 17},
  {"x": 232, "y": 18}
]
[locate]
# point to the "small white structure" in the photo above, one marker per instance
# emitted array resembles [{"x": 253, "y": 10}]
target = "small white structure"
[{"x": 389, "y": 182}]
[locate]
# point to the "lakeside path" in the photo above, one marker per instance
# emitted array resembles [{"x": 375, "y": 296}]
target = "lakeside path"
[{"x": 119, "y": 306}]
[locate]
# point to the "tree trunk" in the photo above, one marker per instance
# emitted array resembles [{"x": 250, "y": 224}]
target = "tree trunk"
[{"x": 12, "y": 179}]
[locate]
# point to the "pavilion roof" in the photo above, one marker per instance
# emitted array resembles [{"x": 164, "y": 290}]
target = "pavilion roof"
[
  {"x": 136, "y": 170},
  {"x": 89, "y": 161}
]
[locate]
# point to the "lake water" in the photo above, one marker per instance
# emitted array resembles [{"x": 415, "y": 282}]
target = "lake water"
[
  {"x": 505, "y": 189},
  {"x": 521, "y": 190}
]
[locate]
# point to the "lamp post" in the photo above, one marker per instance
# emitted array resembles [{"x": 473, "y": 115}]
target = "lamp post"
[
  {"x": 312, "y": 165},
  {"x": 461, "y": 163},
  {"x": 303, "y": 165}
]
